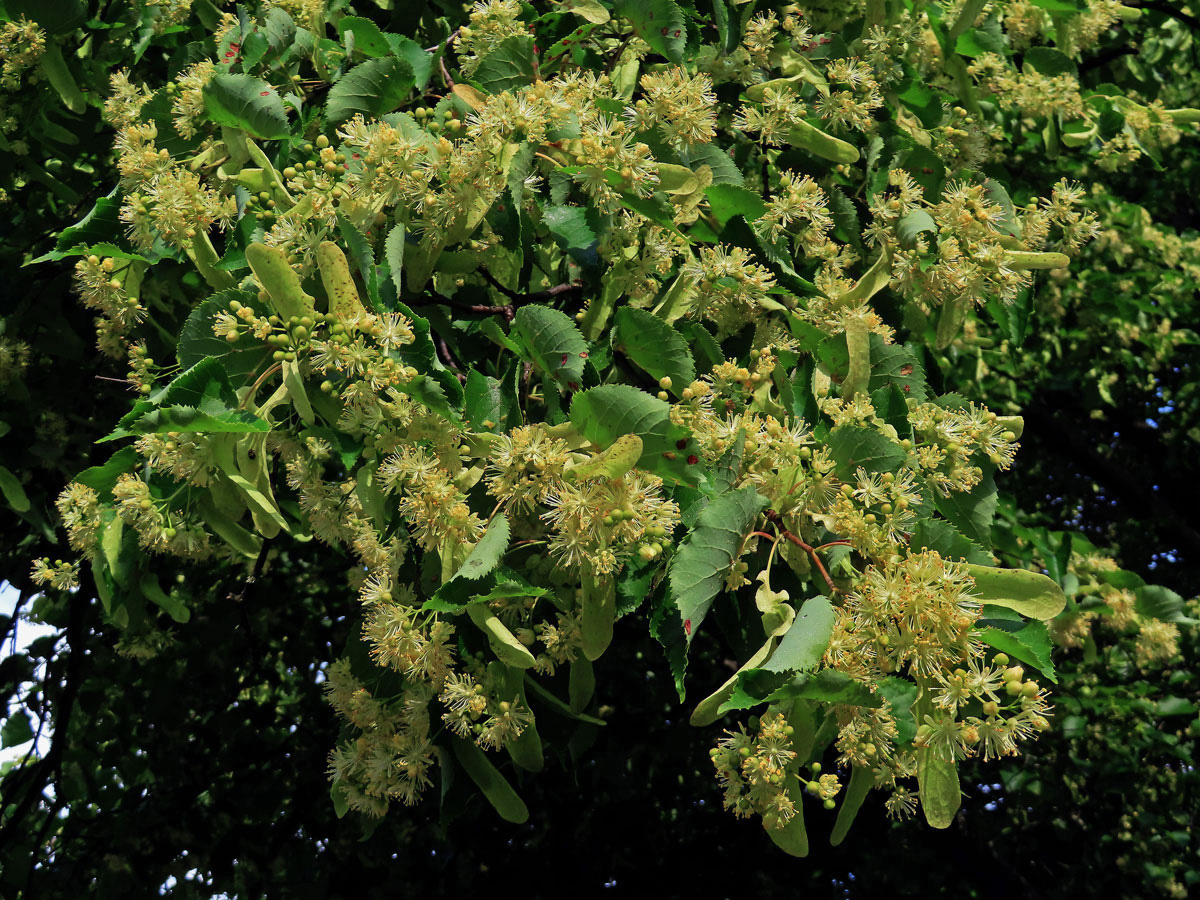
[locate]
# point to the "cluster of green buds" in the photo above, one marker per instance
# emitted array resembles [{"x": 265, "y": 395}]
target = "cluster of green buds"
[
  {"x": 449, "y": 120},
  {"x": 262, "y": 207}
]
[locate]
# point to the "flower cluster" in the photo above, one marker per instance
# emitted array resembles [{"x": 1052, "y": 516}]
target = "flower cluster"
[
  {"x": 754, "y": 771},
  {"x": 21, "y": 45}
]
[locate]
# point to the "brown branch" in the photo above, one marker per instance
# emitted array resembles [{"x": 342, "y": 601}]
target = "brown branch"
[
  {"x": 775, "y": 519},
  {"x": 573, "y": 287},
  {"x": 491, "y": 279},
  {"x": 255, "y": 572},
  {"x": 508, "y": 310},
  {"x": 447, "y": 357},
  {"x": 483, "y": 309}
]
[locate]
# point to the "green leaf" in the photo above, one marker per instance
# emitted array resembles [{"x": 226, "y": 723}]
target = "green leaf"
[
  {"x": 14, "y": 493},
  {"x": 372, "y": 88},
  {"x": 862, "y": 779},
  {"x": 727, "y": 201},
  {"x": 369, "y": 40},
  {"x": 552, "y": 342},
  {"x": 710, "y": 708},
  {"x": 1050, "y": 62},
  {"x": 1122, "y": 579},
  {"x": 364, "y": 259},
  {"x": 1031, "y": 645},
  {"x": 724, "y": 169},
  {"x": 99, "y": 225},
  {"x": 605, "y": 413},
  {"x": 756, "y": 686},
  {"x": 977, "y": 41},
  {"x": 654, "y": 346},
  {"x": 1032, "y": 594},
  {"x": 913, "y": 224},
  {"x": 659, "y": 23},
  {"x": 280, "y": 29},
  {"x": 197, "y": 341},
  {"x": 1175, "y": 706},
  {"x": 17, "y": 730},
  {"x": 171, "y": 605},
  {"x": 422, "y": 355},
  {"x": 251, "y": 104},
  {"x": 698, "y": 569},
  {"x": 972, "y": 512},
  {"x": 102, "y": 478},
  {"x": 337, "y": 794},
  {"x": 503, "y": 642},
  {"x": 199, "y": 400},
  {"x": 484, "y": 402},
  {"x": 901, "y": 694},
  {"x": 430, "y": 394},
  {"x": 939, "y": 789},
  {"x": 488, "y": 779},
  {"x": 571, "y": 229},
  {"x": 948, "y": 541},
  {"x": 56, "y": 16},
  {"x": 190, "y": 420},
  {"x": 508, "y": 67},
  {"x": 412, "y": 53},
  {"x": 485, "y": 556},
  {"x": 1159, "y": 602},
  {"x": 852, "y": 446},
  {"x": 804, "y": 644},
  {"x": 204, "y": 386},
  {"x": 393, "y": 251}
]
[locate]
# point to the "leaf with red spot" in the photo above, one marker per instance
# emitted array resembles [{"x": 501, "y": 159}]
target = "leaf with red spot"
[
  {"x": 659, "y": 23},
  {"x": 551, "y": 342},
  {"x": 706, "y": 555},
  {"x": 608, "y": 412},
  {"x": 240, "y": 101}
]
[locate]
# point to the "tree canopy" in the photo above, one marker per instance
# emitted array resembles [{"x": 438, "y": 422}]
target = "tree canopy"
[{"x": 733, "y": 444}]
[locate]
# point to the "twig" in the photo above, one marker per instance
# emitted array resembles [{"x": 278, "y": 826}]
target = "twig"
[
  {"x": 451, "y": 36},
  {"x": 447, "y": 356},
  {"x": 573, "y": 287},
  {"x": 271, "y": 370},
  {"x": 491, "y": 279},
  {"x": 509, "y": 309},
  {"x": 255, "y": 572},
  {"x": 775, "y": 519},
  {"x": 485, "y": 309}
]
